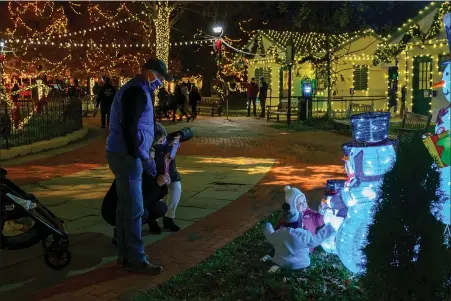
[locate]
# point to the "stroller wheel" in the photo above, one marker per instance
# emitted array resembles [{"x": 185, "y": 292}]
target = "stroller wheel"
[
  {"x": 48, "y": 241},
  {"x": 57, "y": 256}
]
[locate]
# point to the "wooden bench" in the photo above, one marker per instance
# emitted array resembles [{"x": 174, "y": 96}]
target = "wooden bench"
[
  {"x": 282, "y": 109},
  {"x": 412, "y": 123},
  {"x": 353, "y": 110},
  {"x": 211, "y": 104}
]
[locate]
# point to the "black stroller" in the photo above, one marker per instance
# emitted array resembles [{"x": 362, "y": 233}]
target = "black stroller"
[{"x": 37, "y": 224}]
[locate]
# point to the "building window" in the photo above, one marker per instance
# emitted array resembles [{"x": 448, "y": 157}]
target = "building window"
[
  {"x": 321, "y": 79},
  {"x": 265, "y": 72},
  {"x": 360, "y": 75},
  {"x": 442, "y": 59},
  {"x": 424, "y": 75}
]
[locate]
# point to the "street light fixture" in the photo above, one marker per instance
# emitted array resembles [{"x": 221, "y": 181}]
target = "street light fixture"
[{"x": 217, "y": 29}]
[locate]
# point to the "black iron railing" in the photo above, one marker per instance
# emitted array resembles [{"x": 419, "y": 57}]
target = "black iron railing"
[{"x": 38, "y": 121}]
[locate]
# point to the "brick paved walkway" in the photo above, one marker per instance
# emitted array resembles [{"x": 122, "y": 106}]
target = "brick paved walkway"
[{"x": 303, "y": 159}]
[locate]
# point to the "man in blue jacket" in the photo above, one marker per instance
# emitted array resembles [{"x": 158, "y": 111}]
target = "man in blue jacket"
[{"x": 128, "y": 154}]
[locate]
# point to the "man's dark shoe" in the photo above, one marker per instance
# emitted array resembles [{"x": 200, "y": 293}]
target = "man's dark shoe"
[
  {"x": 169, "y": 224},
  {"x": 154, "y": 227},
  {"x": 122, "y": 263},
  {"x": 145, "y": 267}
]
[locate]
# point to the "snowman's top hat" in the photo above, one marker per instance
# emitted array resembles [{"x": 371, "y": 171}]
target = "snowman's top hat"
[
  {"x": 334, "y": 186},
  {"x": 370, "y": 128}
]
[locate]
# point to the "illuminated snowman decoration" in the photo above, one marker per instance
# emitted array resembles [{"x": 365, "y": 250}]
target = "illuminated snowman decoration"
[
  {"x": 442, "y": 125},
  {"x": 368, "y": 158},
  {"x": 334, "y": 212}
]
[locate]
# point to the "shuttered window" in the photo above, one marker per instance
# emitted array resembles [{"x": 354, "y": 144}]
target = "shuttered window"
[
  {"x": 265, "y": 72},
  {"x": 360, "y": 77}
]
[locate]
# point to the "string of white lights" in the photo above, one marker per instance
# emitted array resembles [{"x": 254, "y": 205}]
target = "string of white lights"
[
  {"x": 76, "y": 33},
  {"x": 106, "y": 45},
  {"x": 236, "y": 49}
]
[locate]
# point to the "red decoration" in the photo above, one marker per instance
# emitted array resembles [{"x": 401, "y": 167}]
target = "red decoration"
[
  {"x": 218, "y": 45},
  {"x": 2, "y": 58},
  {"x": 16, "y": 115}
]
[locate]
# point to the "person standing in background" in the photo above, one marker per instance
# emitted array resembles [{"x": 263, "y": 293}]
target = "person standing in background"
[
  {"x": 185, "y": 93},
  {"x": 252, "y": 91},
  {"x": 194, "y": 98},
  {"x": 263, "y": 94},
  {"x": 105, "y": 99},
  {"x": 180, "y": 99}
]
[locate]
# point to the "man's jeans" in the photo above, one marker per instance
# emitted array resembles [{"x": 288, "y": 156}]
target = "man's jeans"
[
  {"x": 251, "y": 100},
  {"x": 263, "y": 106},
  {"x": 127, "y": 171}
]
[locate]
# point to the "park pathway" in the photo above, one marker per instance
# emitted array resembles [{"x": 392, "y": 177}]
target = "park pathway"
[{"x": 233, "y": 176}]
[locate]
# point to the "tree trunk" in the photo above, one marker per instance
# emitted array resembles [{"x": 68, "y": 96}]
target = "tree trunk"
[
  {"x": 328, "y": 58},
  {"x": 163, "y": 30},
  {"x": 329, "y": 75}
]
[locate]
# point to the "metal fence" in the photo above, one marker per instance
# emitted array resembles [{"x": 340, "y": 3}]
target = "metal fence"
[{"x": 32, "y": 121}]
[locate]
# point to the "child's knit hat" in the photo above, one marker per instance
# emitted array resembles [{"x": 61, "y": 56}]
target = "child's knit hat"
[{"x": 293, "y": 196}]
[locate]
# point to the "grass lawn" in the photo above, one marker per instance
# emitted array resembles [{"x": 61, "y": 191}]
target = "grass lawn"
[{"x": 235, "y": 273}]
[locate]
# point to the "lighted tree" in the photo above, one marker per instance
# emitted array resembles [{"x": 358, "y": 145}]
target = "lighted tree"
[
  {"x": 163, "y": 15},
  {"x": 406, "y": 258},
  {"x": 45, "y": 42}
]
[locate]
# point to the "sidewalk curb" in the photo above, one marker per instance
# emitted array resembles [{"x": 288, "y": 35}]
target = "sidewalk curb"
[{"x": 6, "y": 154}]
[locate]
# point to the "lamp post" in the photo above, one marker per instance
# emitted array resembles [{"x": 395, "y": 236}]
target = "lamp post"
[
  {"x": 289, "y": 55},
  {"x": 220, "y": 31}
]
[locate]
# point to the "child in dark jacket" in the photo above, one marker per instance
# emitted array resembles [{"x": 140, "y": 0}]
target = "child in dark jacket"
[{"x": 165, "y": 164}]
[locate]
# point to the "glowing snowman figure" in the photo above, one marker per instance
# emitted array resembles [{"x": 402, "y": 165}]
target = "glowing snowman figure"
[
  {"x": 443, "y": 124},
  {"x": 359, "y": 194},
  {"x": 365, "y": 166}
]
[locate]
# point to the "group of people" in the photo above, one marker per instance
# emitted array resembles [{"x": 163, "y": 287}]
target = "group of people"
[
  {"x": 254, "y": 90},
  {"x": 185, "y": 98},
  {"x": 141, "y": 156}
]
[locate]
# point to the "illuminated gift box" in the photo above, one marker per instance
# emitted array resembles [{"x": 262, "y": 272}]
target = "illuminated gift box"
[
  {"x": 369, "y": 128},
  {"x": 439, "y": 146},
  {"x": 334, "y": 186}
]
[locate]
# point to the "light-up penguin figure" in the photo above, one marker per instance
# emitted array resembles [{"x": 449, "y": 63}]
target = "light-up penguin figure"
[
  {"x": 367, "y": 159},
  {"x": 333, "y": 211},
  {"x": 442, "y": 125}
]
